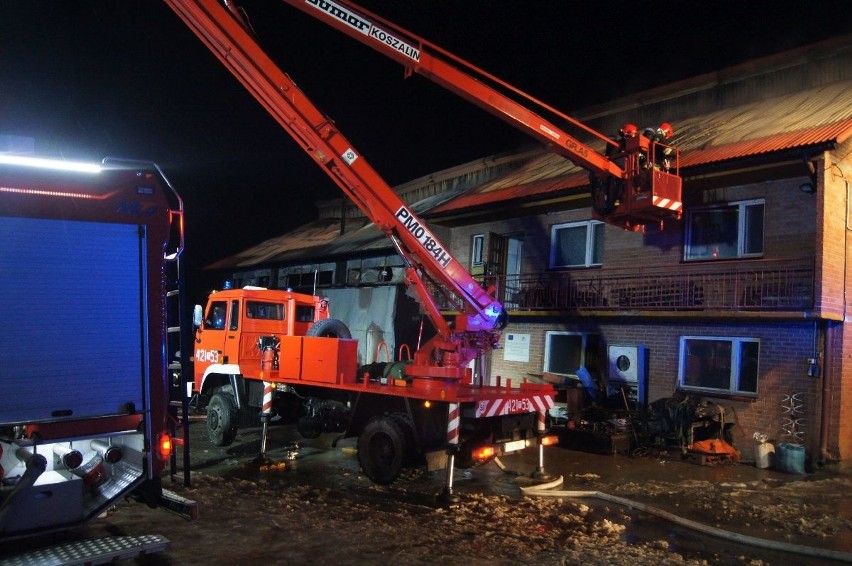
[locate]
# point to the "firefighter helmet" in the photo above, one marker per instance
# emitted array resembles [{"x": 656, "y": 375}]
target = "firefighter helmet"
[
  {"x": 666, "y": 130},
  {"x": 629, "y": 130}
]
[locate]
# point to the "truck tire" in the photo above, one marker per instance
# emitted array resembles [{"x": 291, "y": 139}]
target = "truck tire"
[
  {"x": 329, "y": 328},
  {"x": 222, "y": 419},
  {"x": 383, "y": 449}
]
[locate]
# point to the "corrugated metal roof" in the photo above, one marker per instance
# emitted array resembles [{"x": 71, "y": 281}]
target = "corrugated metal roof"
[
  {"x": 545, "y": 174},
  {"x": 802, "y": 119},
  {"x": 837, "y": 132},
  {"x": 306, "y": 240}
]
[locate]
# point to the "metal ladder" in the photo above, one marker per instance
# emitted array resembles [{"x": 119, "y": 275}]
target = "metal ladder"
[{"x": 180, "y": 374}]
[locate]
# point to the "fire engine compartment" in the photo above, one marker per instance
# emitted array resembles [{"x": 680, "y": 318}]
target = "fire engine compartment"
[
  {"x": 82, "y": 345},
  {"x": 69, "y": 480}
]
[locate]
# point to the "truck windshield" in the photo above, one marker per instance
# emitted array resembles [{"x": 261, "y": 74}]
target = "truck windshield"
[
  {"x": 264, "y": 311},
  {"x": 216, "y": 316}
]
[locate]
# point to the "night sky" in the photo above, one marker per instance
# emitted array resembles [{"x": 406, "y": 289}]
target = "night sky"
[{"x": 126, "y": 78}]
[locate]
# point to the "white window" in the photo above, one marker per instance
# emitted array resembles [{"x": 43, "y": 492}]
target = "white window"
[
  {"x": 476, "y": 246},
  {"x": 576, "y": 244},
  {"x": 725, "y": 232},
  {"x": 719, "y": 365}
]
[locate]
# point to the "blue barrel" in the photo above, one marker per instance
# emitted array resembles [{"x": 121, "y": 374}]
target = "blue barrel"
[{"x": 790, "y": 458}]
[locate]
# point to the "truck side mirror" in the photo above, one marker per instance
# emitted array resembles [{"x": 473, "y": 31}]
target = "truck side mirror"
[{"x": 197, "y": 314}]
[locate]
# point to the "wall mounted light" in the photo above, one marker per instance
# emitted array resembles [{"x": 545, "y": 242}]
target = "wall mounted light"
[
  {"x": 813, "y": 367},
  {"x": 809, "y": 188}
]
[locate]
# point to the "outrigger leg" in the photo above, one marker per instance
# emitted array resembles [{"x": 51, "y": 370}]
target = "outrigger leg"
[
  {"x": 447, "y": 496},
  {"x": 539, "y": 472},
  {"x": 265, "y": 417}
]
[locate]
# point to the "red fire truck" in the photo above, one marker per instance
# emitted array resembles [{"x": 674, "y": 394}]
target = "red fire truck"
[
  {"x": 89, "y": 254},
  {"x": 439, "y": 398}
]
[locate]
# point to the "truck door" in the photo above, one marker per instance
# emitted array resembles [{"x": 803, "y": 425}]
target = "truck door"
[
  {"x": 232, "y": 334},
  {"x": 210, "y": 348}
]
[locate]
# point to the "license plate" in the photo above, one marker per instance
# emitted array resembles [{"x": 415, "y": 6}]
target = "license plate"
[{"x": 514, "y": 446}]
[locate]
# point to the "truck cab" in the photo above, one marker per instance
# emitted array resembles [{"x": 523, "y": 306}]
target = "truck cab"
[
  {"x": 249, "y": 341},
  {"x": 235, "y": 323}
]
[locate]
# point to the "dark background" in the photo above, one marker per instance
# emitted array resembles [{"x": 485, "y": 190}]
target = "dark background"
[{"x": 126, "y": 78}]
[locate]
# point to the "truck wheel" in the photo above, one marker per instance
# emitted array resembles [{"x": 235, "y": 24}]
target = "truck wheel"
[
  {"x": 222, "y": 419},
  {"x": 329, "y": 328},
  {"x": 382, "y": 449}
]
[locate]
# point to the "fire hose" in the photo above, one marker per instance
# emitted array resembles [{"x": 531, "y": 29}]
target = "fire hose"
[{"x": 547, "y": 490}]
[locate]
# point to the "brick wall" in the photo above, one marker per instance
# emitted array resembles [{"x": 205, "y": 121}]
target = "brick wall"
[
  {"x": 789, "y": 230},
  {"x": 834, "y": 269},
  {"x": 784, "y": 351},
  {"x": 796, "y": 225}
]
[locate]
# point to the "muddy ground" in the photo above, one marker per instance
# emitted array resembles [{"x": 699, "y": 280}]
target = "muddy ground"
[{"x": 318, "y": 507}]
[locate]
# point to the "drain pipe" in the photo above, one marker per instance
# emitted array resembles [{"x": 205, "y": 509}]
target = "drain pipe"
[
  {"x": 545, "y": 491},
  {"x": 827, "y": 382}
]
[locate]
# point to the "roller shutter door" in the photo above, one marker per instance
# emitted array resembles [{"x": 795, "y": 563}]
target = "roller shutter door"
[{"x": 71, "y": 319}]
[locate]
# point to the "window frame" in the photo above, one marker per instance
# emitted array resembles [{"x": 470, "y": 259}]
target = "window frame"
[
  {"x": 477, "y": 250},
  {"x": 742, "y": 207},
  {"x": 735, "y": 377},
  {"x": 209, "y": 322},
  {"x": 266, "y": 310},
  {"x": 591, "y": 246},
  {"x": 234, "y": 317},
  {"x": 548, "y": 346}
]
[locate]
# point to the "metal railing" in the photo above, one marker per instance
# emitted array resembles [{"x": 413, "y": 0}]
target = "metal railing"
[{"x": 763, "y": 285}]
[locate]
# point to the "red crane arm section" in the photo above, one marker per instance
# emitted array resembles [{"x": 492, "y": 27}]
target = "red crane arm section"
[
  {"x": 316, "y": 134},
  {"x": 460, "y": 77}
]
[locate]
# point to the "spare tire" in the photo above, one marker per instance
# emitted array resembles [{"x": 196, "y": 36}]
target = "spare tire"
[{"x": 329, "y": 328}]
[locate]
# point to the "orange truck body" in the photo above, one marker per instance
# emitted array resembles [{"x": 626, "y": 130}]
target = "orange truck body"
[
  {"x": 399, "y": 410},
  {"x": 242, "y": 355}
]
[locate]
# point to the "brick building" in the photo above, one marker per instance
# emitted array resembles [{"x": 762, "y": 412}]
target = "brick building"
[{"x": 742, "y": 302}]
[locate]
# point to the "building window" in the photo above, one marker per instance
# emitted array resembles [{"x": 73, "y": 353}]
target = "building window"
[
  {"x": 476, "y": 246},
  {"x": 719, "y": 365},
  {"x": 566, "y": 352},
  {"x": 576, "y": 244},
  {"x": 725, "y": 232},
  {"x": 305, "y": 282}
]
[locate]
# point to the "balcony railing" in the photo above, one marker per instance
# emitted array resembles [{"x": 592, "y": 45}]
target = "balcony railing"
[{"x": 753, "y": 286}]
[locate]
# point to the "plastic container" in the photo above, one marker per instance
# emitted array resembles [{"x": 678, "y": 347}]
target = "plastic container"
[
  {"x": 790, "y": 458},
  {"x": 764, "y": 454}
]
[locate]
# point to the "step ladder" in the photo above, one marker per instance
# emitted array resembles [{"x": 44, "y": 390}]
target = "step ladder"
[{"x": 180, "y": 373}]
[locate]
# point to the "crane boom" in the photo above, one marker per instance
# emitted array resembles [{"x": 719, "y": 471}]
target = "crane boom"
[
  {"x": 462, "y": 78},
  {"x": 483, "y": 418},
  {"x": 624, "y": 191},
  {"x": 229, "y": 39}
]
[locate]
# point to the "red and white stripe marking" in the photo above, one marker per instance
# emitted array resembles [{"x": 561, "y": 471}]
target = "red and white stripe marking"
[
  {"x": 267, "y": 398},
  {"x": 667, "y": 203},
  {"x": 453, "y": 420},
  {"x": 511, "y": 406}
]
